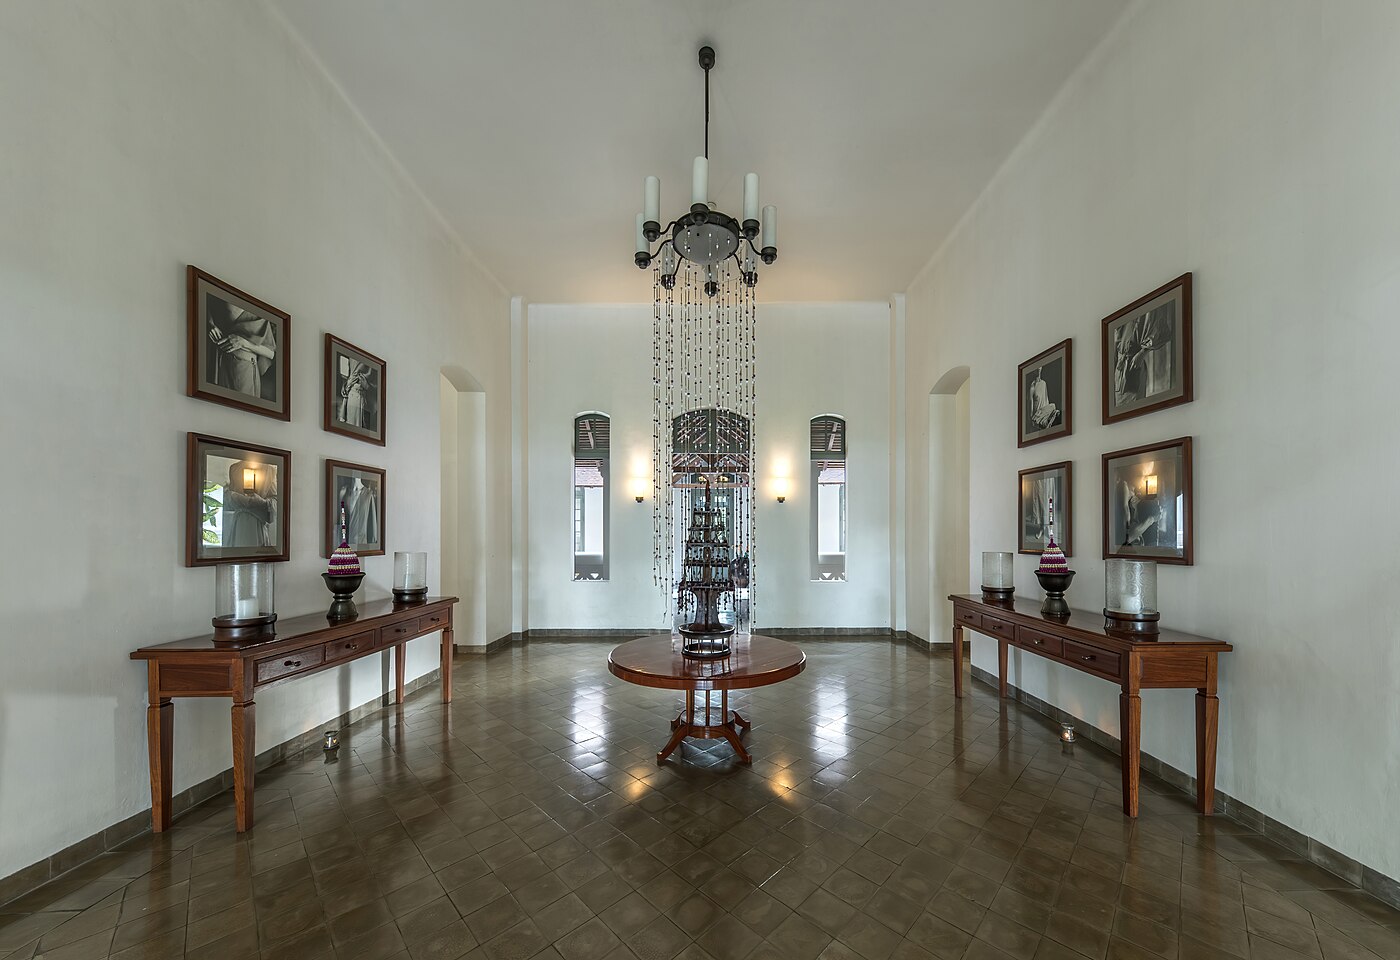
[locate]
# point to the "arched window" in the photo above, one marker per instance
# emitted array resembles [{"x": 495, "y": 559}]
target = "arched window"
[
  {"x": 828, "y": 498},
  {"x": 591, "y": 496}
]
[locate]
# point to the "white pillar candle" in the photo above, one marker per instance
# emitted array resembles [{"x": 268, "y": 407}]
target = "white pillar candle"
[
  {"x": 245, "y": 608},
  {"x": 652, "y": 207},
  {"x": 700, "y": 182},
  {"x": 770, "y": 226},
  {"x": 642, "y": 246},
  {"x": 750, "y": 196}
]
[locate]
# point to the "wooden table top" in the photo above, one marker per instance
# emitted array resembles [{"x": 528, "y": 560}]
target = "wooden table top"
[
  {"x": 294, "y": 628},
  {"x": 1089, "y": 625},
  {"x": 755, "y": 661}
]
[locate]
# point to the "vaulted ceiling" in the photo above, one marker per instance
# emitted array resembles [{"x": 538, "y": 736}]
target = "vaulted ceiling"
[{"x": 530, "y": 124}]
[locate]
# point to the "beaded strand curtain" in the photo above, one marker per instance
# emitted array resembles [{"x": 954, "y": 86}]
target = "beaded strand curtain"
[{"x": 703, "y": 357}]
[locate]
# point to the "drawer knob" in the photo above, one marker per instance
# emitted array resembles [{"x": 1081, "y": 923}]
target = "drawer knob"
[
  {"x": 352, "y": 646},
  {"x": 1037, "y": 642},
  {"x": 291, "y": 663},
  {"x": 1088, "y": 656}
]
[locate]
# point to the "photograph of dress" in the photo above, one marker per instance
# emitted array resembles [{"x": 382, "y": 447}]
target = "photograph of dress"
[
  {"x": 236, "y": 501},
  {"x": 1043, "y": 390},
  {"x": 1036, "y": 487},
  {"x": 355, "y": 391},
  {"x": 1147, "y": 353},
  {"x": 238, "y": 348},
  {"x": 361, "y": 489}
]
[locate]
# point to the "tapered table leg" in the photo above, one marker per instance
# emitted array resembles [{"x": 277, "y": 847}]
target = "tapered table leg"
[
  {"x": 1002, "y": 646},
  {"x": 244, "y": 751},
  {"x": 160, "y": 735},
  {"x": 398, "y": 672},
  {"x": 957, "y": 660},
  {"x": 1130, "y": 709},
  {"x": 1207, "y": 726},
  {"x": 447, "y": 651}
]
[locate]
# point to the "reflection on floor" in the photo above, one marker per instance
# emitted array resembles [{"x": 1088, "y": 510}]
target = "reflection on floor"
[{"x": 879, "y": 820}]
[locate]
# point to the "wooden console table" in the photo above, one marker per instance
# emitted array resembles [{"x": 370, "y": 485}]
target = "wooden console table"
[
  {"x": 301, "y": 646},
  {"x": 1134, "y": 661}
]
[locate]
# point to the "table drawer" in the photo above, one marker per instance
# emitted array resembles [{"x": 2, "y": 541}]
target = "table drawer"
[
  {"x": 1093, "y": 659},
  {"x": 286, "y": 664},
  {"x": 349, "y": 647},
  {"x": 998, "y": 628},
  {"x": 431, "y": 622},
  {"x": 398, "y": 632},
  {"x": 1039, "y": 642},
  {"x": 966, "y": 617}
]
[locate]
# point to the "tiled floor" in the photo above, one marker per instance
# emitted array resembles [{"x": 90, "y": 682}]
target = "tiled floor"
[{"x": 880, "y": 820}]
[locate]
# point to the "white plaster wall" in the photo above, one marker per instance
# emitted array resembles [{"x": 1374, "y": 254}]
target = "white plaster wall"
[
  {"x": 140, "y": 137},
  {"x": 1254, "y": 143},
  {"x": 813, "y": 359}
]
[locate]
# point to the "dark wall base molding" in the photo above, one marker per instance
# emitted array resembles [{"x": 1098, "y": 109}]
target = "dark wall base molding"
[
  {"x": 37, "y": 874},
  {"x": 1378, "y": 885}
]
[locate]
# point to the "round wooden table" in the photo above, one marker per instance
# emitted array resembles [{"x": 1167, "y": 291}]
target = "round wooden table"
[{"x": 755, "y": 661}]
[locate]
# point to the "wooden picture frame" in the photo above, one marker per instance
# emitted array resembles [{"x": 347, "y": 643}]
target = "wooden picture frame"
[
  {"x": 1045, "y": 395},
  {"x": 239, "y": 350},
  {"x": 356, "y": 392},
  {"x": 1138, "y": 485},
  {"x": 1030, "y": 509},
  {"x": 1146, "y": 353},
  {"x": 364, "y": 507},
  {"x": 237, "y": 492}
]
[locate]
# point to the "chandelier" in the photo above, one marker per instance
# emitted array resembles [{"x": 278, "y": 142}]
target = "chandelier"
[
  {"x": 704, "y": 390},
  {"x": 706, "y": 237}
]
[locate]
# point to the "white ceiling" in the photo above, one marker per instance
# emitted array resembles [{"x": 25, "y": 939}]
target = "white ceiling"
[{"x": 873, "y": 124}]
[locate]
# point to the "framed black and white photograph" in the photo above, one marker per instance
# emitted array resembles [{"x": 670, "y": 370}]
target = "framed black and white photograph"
[
  {"x": 1147, "y": 502},
  {"x": 239, "y": 348},
  {"x": 1045, "y": 494},
  {"x": 355, "y": 391},
  {"x": 354, "y": 508},
  {"x": 1146, "y": 353},
  {"x": 1044, "y": 384},
  {"x": 236, "y": 501}
]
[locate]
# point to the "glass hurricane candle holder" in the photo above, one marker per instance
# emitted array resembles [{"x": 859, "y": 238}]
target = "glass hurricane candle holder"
[
  {"x": 1130, "y": 595},
  {"x": 244, "y": 602},
  {"x": 410, "y": 576},
  {"x": 997, "y": 576}
]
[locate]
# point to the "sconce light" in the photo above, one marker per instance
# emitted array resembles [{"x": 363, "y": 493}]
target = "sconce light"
[
  {"x": 780, "y": 489},
  {"x": 250, "y": 480},
  {"x": 1149, "y": 485},
  {"x": 638, "y": 488}
]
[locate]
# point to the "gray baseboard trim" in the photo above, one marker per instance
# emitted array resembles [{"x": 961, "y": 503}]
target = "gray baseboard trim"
[
  {"x": 555, "y": 633},
  {"x": 1383, "y": 888},
  {"x": 30, "y": 878},
  {"x": 819, "y": 632},
  {"x": 500, "y": 643}
]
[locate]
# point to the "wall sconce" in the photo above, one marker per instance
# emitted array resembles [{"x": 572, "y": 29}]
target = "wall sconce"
[
  {"x": 1149, "y": 485},
  {"x": 637, "y": 486},
  {"x": 250, "y": 480},
  {"x": 780, "y": 489}
]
